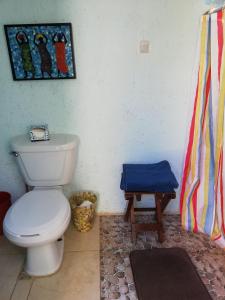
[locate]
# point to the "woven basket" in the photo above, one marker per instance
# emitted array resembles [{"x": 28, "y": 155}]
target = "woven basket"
[{"x": 83, "y": 217}]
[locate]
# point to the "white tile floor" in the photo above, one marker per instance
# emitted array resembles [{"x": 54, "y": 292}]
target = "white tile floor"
[{"x": 77, "y": 279}]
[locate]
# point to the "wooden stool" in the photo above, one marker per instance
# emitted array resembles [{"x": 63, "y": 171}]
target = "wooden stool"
[{"x": 161, "y": 201}]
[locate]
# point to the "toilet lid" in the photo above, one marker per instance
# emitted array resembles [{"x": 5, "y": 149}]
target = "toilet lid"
[{"x": 36, "y": 212}]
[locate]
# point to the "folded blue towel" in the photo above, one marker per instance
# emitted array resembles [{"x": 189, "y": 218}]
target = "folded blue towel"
[{"x": 157, "y": 177}]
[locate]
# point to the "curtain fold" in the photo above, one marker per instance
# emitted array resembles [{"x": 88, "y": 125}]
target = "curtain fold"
[{"x": 202, "y": 190}]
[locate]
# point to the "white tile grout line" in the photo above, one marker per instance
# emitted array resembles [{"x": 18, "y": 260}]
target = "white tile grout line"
[
  {"x": 30, "y": 288},
  {"x": 33, "y": 278},
  {"x": 13, "y": 288},
  {"x": 53, "y": 290},
  {"x": 17, "y": 279}
]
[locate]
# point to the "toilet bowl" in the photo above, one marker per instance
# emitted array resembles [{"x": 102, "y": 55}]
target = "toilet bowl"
[{"x": 38, "y": 221}]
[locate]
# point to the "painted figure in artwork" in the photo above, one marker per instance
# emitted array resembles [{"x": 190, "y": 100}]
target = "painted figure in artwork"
[
  {"x": 59, "y": 40},
  {"x": 26, "y": 56},
  {"x": 40, "y": 40}
]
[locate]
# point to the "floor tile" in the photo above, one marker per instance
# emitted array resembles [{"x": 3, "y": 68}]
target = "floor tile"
[
  {"x": 38, "y": 293},
  {"x": 22, "y": 289},
  {"x": 82, "y": 241},
  {"x": 78, "y": 278},
  {"x": 6, "y": 247},
  {"x": 11, "y": 265},
  {"x": 7, "y": 284}
]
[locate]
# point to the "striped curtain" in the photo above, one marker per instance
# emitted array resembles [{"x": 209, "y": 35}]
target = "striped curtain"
[{"x": 202, "y": 192}]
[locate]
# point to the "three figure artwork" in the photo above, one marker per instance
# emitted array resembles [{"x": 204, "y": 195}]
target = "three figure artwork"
[{"x": 41, "y": 51}]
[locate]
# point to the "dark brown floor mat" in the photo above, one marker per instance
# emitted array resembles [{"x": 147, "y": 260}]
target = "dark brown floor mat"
[{"x": 166, "y": 274}]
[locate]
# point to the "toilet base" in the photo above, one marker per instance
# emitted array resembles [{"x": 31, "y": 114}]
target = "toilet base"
[{"x": 45, "y": 259}]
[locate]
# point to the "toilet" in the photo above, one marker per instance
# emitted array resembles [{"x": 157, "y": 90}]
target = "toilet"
[{"x": 38, "y": 220}]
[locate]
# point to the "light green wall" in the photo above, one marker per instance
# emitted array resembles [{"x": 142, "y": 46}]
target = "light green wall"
[{"x": 124, "y": 106}]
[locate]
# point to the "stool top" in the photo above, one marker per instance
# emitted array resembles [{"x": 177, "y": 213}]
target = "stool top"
[{"x": 157, "y": 177}]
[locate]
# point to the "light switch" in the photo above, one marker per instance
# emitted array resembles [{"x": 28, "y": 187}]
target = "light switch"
[{"x": 144, "y": 46}]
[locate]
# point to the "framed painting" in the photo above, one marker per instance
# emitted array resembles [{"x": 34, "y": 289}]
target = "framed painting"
[{"x": 41, "y": 51}]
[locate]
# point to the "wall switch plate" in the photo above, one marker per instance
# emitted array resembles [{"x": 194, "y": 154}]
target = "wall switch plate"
[{"x": 144, "y": 46}]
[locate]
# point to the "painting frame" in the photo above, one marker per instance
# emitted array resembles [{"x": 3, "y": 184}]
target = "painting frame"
[{"x": 27, "y": 57}]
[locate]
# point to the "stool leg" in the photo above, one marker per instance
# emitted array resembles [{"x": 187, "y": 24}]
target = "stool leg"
[
  {"x": 127, "y": 214},
  {"x": 159, "y": 217},
  {"x": 132, "y": 219}
]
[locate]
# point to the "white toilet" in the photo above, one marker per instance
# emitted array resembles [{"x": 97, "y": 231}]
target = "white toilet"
[{"x": 39, "y": 218}]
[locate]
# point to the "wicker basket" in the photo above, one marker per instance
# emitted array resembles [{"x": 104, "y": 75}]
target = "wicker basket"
[{"x": 83, "y": 217}]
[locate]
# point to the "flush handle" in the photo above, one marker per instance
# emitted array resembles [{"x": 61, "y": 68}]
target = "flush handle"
[{"x": 14, "y": 153}]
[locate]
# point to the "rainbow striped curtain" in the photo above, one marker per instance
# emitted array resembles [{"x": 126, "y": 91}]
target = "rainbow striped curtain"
[{"x": 202, "y": 192}]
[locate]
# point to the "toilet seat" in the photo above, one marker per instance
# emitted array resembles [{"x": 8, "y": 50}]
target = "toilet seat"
[{"x": 37, "y": 216}]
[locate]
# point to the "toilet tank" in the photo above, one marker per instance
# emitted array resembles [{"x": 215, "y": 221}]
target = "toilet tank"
[{"x": 46, "y": 163}]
